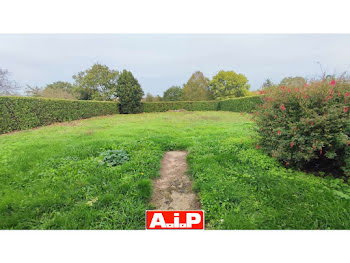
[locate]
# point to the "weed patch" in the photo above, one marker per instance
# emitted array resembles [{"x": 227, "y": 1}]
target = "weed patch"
[{"x": 114, "y": 157}]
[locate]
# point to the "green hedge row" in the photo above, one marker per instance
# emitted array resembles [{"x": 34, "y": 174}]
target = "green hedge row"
[
  {"x": 19, "y": 113},
  {"x": 178, "y": 105},
  {"x": 244, "y": 104}
]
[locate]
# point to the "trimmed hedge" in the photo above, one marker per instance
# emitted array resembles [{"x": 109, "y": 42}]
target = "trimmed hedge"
[
  {"x": 19, "y": 113},
  {"x": 244, "y": 104},
  {"x": 178, "y": 105}
]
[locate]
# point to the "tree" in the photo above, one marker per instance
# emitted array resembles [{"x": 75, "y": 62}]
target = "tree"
[
  {"x": 60, "y": 90},
  {"x": 267, "y": 84},
  {"x": 57, "y": 93},
  {"x": 149, "y": 97},
  {"x": 129, "y": 93},
  {"x": 227, "y": 84},
  {"x": 293, "y": 81},
  {"x": 174, "y": 93},
  {"x": 196, "y": 88},
  {"x": 34, "y": 91},
  {"x": 61, "y": 85},
  {"x": 7, "y": 86},
  {"x": 157, "y": 98},
  {"x": 96, "y": 83}
]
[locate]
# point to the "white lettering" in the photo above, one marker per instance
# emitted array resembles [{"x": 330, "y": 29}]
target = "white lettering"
[
  {"x": 192, "y": 218},
  {"x": 157, "y": 220}
]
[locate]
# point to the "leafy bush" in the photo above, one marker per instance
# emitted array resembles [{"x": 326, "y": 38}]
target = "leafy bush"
[
  {"x": 115, "y": 157},
  {"x": 186, "y": 105},
  {"x": 245, "y": 104},
  {"x": 19, "y": 113},
  {"x": 307, "y": 126}
]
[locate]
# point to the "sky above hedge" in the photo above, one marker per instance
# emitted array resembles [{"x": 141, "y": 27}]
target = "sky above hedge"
[{"x": 160, "y": 61}]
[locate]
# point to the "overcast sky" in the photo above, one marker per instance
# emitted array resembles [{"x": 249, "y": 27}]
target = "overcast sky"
[{"x": 160, "y": 61}]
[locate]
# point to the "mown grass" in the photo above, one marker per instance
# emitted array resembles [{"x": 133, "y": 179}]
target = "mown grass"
[{"x": 52, "y": 178}]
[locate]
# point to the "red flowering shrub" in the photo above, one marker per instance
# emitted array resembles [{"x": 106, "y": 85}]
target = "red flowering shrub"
[{"x": 307, "y": 126}]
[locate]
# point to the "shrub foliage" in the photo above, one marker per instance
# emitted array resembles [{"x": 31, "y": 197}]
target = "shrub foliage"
[
  {"x": 178, "y": 105},
  {"x": 245, "y": 104},
  {"x": 307, "y": 126},
  {"x": 19, "y": 113}
]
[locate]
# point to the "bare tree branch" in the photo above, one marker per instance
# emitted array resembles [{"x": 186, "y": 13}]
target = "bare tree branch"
[{"x": 7, "y": 86}]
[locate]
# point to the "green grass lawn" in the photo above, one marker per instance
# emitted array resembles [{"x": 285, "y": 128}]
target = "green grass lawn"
[{"x": 52, "y": 177}]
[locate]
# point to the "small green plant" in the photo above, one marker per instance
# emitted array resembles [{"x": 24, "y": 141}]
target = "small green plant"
[{"x": 115, "y": 157}]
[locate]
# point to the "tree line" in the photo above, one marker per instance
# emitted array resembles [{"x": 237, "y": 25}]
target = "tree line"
[
  {"x": 225, "y": 84},
  {"x": 99, "y": 82},
  {"x": 96, "y": 83}
]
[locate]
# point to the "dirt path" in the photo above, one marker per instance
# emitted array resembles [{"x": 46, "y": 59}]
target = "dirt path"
[{"x": 173, "y": 190}]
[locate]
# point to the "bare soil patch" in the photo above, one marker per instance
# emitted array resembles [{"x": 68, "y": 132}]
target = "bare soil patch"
[{"x": 173, "y": 190}]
